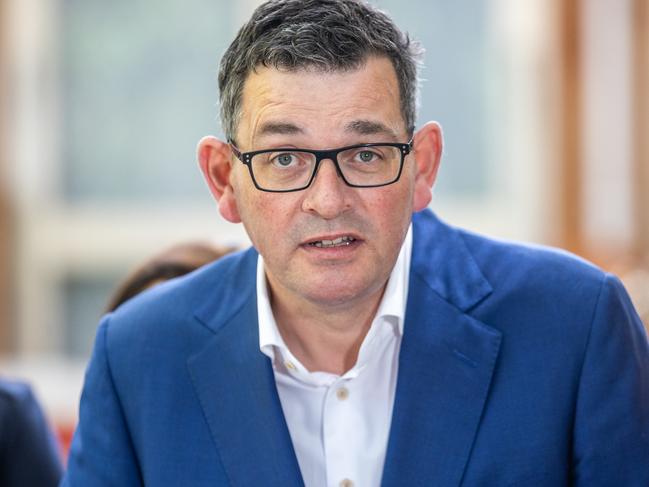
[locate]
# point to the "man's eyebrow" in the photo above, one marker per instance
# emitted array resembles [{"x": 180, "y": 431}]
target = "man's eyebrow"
[
  {"x": 360, "y": 127},
  {"x": 279, "y": 128},
  {"x": 368, "y": 127}
]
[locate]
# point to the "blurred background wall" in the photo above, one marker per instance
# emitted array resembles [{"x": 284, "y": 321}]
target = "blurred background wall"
[{"x": 544, "y": 104}]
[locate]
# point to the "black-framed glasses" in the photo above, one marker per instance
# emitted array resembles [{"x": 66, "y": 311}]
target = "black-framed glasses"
[{"x": 360, "y": 166}]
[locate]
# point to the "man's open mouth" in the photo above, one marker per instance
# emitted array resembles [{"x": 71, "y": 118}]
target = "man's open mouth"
[{"x": 339, "y": 242}]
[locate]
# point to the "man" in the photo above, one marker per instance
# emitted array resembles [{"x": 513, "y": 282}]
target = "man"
[
  {"x": 29, "y": 453},
  {"x": 357, "y": 344}
]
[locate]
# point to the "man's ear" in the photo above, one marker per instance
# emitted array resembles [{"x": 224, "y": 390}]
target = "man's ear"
[
  {"x": 427, "y": 147},
  {"x": 215, "y": 160}
]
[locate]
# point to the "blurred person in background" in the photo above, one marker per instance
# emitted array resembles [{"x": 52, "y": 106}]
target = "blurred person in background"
[
  {"x": 361, "y": 340},
  {"x": 29, "y": 454},
  {"x": 175, "y": 261}
]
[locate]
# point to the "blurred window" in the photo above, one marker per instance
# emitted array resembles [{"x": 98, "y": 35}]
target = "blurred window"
[
  {"x": 139, "y": 90},
  {"x": 455, "y": 86},
  {"x": 85, "y": 299}
]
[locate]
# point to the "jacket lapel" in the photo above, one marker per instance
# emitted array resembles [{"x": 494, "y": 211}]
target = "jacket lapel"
[
  {"x": 446, "y": 362},
  {"x": 236, "y": 388}
]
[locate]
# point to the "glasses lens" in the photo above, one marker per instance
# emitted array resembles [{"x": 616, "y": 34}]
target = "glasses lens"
[
  {"x": 370, "y": 166},
  {"x": 283, "y": 170}
]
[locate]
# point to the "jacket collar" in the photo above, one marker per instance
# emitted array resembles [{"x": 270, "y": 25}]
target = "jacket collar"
[
  {"x": 446, "y": 362},
  {"x": 443, "y": 261},
  {"x": 235, "y": 384}
]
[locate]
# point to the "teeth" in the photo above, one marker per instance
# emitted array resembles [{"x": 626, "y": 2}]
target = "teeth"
[{"x": 333, "y": 243}]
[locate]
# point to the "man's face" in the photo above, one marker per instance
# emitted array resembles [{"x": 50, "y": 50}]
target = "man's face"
[{"x": 315, "y": 110}]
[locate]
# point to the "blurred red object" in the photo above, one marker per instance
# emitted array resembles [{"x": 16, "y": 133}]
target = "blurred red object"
[{"x": 64, "y": 433}]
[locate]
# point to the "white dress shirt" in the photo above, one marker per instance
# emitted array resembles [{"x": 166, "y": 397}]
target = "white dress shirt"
[{"x": 339, "y": 425}]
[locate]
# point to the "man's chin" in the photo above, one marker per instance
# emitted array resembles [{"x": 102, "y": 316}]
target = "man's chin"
[{"x": 332, "y": 294}]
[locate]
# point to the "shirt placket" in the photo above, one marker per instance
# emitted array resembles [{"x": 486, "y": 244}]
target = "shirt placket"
[{"x": 340, "y": 439}]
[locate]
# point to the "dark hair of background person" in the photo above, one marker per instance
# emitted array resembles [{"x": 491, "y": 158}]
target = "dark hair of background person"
[
  {"x": 334, "y": 36},
  {"x": 29, "y": 454},
  {"x": 176, "y": 261}
]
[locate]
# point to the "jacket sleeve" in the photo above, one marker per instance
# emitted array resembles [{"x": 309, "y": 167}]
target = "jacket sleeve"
[
  {"x": 102, "y": 452},
  {"x": 611, "y": 429}
]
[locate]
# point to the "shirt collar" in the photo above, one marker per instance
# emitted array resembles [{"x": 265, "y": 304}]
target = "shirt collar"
[
  {"x": 393, "y": 303},
  {"x": 392, "y": 307}
]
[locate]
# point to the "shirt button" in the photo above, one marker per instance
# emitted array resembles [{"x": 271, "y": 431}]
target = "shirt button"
[
  {"x": 342, "y": 394},
  {"x": 346, "y": 483},
  {"x": 289, "y": 365}
]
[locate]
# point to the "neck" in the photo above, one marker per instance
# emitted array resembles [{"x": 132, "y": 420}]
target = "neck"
[{"x": 325, "y": 338}]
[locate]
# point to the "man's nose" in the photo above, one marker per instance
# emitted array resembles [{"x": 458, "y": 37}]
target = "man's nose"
[{"x": 328, "y": 195}]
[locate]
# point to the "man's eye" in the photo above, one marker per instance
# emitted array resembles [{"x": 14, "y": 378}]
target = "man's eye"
[
  {"x": 284, "y": 160},
  {"x": 366, "y": 156}
]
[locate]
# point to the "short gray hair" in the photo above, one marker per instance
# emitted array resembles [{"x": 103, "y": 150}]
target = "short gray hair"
[{"x": 330, "y": 35}]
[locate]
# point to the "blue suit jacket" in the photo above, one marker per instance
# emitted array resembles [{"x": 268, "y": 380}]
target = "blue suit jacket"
[{"x": 518, "y": 366}]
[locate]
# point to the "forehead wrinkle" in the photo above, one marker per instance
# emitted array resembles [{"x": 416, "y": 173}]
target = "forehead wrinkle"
[{"x": 274, "y": 111}]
